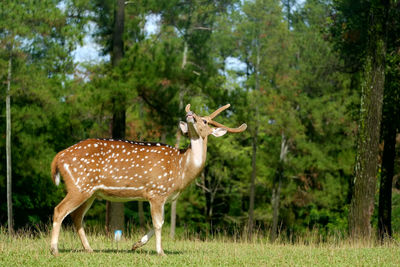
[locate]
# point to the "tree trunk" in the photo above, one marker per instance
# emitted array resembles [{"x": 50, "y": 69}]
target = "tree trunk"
[
  {"x": 140, "y": 203},
  {"x": 173, "y": 219},
  {"x": 118, "y": 42},
  {"x": 252, "y": 187},
  {"x": 385, "y": 191},
  {"x": 362, "y": 203},
  {"x": 275, "y": 206},
  {"x": 276, "y": 194},
  {"x": 390, "y": 126},
  {"x": 115, "y": 211},
  {"x": 210, "y": 189},
  {"x": 8, "y": 151},
  {"x": 141, "y": 214}
]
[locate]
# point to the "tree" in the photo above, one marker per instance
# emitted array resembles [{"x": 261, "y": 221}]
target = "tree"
[
  {"x": 390, "y": 125},
  {"x": 36, "y": 42},
  {"x": 262, "y": 47},
  {"x": 8, "y": 149},
  {"x": 312, "y": 106},
  {"x": 115, "y": 213},
  {"x": 190, "y": 71},
  {"x": 362, "y": 203}
]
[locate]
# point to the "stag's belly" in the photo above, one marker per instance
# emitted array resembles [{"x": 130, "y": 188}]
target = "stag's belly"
[{"x": 120, "y": 196}]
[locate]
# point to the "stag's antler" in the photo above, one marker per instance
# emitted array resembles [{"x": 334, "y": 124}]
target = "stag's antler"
[
  {"x": 187, "y": 109},
  {"x": 241, "y": 128},
  {"x": 210, "y": 120},
  {"x": 216, "y": 113}
]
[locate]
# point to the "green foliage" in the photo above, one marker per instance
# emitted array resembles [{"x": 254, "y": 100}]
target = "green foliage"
[
  {"x": 38, "y": 44},
  {"x": 290, "y": 83}
]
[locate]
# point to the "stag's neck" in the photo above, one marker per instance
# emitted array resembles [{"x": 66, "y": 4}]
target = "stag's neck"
[{"x": 194, "y": 159}]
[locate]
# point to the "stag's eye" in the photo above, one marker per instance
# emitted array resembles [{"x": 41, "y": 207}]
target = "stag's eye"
[{"x": 205, "y": 122}]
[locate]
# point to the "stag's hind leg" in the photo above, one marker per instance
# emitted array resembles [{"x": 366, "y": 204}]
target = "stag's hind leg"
[
  {"x": 143, "y": 240},
  {"x": 77, "y": 217},
  {"x": 70, "y": 203}
]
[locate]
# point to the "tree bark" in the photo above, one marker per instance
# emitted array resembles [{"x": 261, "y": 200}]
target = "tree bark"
[
  {"x": 252, "y": 186},
  {"x": 115, "y": 211},
  {"x": 385, "y": 191},
  {"x": 275, "y": 206},
  {"x": 390, "y": 127},
  {"x": 362, "y": 203},
  {"x": 140, "y": 203},
  {"x": 8, "y": 151},
  {"x": 277, "y": 189},
  {"x": 173, "y": 219},
  {"x": 118, "y": 42}
]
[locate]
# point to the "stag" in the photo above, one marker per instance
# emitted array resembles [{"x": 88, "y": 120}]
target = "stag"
[{"x": 118, "y": 170}]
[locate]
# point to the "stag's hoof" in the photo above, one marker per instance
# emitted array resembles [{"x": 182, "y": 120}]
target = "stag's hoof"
[
  {"x": 89, "y": 250},
  {"x": 162, "y": 254},
  {"x": 54, "y": 251},
  {"x": 136, "y": 246}
]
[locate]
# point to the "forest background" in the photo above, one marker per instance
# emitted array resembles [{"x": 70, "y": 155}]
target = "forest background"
[{"x": 292, "y": 70}]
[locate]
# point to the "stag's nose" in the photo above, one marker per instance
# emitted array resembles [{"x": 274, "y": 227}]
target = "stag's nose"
[{"x": 190, "y": 117}]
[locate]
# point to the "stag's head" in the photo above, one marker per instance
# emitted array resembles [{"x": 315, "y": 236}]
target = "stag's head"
[{"x": 198, "y": 126}]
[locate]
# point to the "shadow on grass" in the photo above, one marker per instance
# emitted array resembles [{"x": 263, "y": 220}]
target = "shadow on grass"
[{"x": 127, "y": 251}]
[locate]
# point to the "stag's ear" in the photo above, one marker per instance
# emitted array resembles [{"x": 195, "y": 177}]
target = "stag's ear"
[
  {"x": 184, "y": 127},
  {"x": 217, "y": 132}
]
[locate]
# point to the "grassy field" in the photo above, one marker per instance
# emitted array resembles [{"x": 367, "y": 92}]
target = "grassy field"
[{"x": 26, "y": 250}]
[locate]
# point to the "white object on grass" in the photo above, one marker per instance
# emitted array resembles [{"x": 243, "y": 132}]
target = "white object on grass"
[{"x": 117, "y": 235}]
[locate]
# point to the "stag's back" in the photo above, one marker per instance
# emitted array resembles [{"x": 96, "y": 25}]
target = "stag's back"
[{"x": 121, "y": 169}]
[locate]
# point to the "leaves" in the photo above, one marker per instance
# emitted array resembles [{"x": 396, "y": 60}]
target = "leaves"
[{"x": 290, "y": 83}]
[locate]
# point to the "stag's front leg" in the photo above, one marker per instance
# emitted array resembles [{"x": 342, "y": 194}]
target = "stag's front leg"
[{"x": 157, "y": 215}]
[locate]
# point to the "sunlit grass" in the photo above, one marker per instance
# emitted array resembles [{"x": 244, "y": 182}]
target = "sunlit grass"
[{"x": 26, "y": 249}]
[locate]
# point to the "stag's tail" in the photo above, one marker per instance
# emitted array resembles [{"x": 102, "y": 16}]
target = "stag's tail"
[{"x": 55, "y": 173}]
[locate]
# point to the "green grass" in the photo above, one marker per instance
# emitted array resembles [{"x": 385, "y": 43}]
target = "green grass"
[{"x": 27, "y": 250}]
